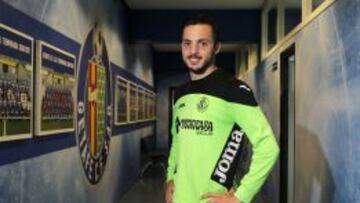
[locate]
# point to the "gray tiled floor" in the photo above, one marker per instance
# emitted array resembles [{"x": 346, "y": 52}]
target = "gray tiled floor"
[{"x": 149, "y": 189}]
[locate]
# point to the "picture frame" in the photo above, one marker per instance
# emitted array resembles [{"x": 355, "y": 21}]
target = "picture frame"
[
  {"x": 16, "y": 84},
  {"x": 55, "y": 90}
]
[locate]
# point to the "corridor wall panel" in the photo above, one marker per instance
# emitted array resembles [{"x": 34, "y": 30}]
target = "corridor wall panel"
[
  {"x": 327, "y": 111},
  {"x": 265, "y": 82}
]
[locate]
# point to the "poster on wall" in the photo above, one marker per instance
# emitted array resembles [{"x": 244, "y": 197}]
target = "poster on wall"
[
  {"x": 133, "y": 102},
  {"x": 141, "y": 104},
  {"x": 152, "y": 106},
  {"x": 121, "y": 101},
  {"x": 146, "y": 105},
  {"x": 16, "y": 80},
  {"x": 55, "y": 76}
]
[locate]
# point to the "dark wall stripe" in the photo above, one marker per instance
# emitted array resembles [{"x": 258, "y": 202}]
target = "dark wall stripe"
[
  {"x": 13, "y": 151},
  {"x": 117, "y": 130}
]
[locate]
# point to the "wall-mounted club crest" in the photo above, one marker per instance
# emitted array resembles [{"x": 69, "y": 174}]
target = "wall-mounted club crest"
[{"x": 94, "y": 111}]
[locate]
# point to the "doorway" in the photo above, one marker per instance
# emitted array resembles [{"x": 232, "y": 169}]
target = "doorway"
[
  {"x": 287, "y": 124},
  {"x": 171, "y": 104}
]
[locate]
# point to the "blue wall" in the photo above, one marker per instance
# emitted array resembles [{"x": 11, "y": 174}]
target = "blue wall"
[
  {"x": 172, "y": 61},
  {"x": 327, "y": 112},
  {"x": 48, "y": 169},
  {"x": 164, "y": 26}
]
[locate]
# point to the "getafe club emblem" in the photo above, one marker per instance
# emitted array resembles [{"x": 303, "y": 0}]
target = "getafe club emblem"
[
  {"x": 94, "y": 112},
  {"x": 202, "y": 105}
]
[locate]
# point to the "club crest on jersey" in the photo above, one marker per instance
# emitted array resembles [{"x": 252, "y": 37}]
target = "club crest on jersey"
[
  {"x": 202, "y": 105},
  {"x": 94, "y": 112}
]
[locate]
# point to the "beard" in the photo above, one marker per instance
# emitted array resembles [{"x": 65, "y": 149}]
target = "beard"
[{"x": 207, "y": 63}]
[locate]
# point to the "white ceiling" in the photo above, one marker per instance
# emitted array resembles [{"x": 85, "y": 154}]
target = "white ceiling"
[{"x": 194, "y": 4}]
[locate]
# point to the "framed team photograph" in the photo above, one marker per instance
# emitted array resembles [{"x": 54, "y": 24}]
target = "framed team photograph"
[
  {"x": 152, "y": 106},
  {"x": 141, "y": 104},
  {"x": 133, "y": 97},
  {"x": 55, "y": 96},
  {"x": 121, "y": 101},
  {"x": 146, "y": 105},
  {"x": 16, "y": 82}
]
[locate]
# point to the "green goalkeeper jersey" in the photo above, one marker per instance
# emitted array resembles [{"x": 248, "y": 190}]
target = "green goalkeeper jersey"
[{"x": 212, "y": 119}]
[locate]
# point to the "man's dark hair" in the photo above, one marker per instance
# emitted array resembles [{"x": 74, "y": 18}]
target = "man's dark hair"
[{"x": 203, "y": 20}]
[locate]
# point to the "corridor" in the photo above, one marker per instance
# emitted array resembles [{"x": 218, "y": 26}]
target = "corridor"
[{"x": 90, "y": 89}]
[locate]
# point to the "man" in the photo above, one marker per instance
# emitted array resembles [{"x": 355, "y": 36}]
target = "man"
[{"x": 213, "y": 115}]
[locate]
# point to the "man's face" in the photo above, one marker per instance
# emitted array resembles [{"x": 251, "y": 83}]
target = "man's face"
[{"x": 198, "y": 47}]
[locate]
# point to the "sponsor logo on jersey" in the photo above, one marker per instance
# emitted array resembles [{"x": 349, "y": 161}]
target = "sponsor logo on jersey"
[
  {"x": 226, "y": 165},
  {"x": 201, "y": 127},
  {"x": 202, "y": 105},
  {"x": 94, "y": 112}
]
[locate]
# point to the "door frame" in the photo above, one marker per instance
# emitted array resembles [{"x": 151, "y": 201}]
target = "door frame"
[{"x": 287, "y": 124}]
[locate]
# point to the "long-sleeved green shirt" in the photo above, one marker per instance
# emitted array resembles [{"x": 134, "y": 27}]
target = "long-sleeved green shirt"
[{"x": 211, "y": 119}]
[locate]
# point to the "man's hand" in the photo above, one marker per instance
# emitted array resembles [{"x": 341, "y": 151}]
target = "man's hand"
[
  {"x": 221, "y": 198},
  {"x": 169, "y": 191}
]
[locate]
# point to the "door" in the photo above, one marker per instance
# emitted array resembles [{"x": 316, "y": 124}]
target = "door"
[
  {"x": 287, "y": 124},
  {"x": 171, "y": 104}
]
